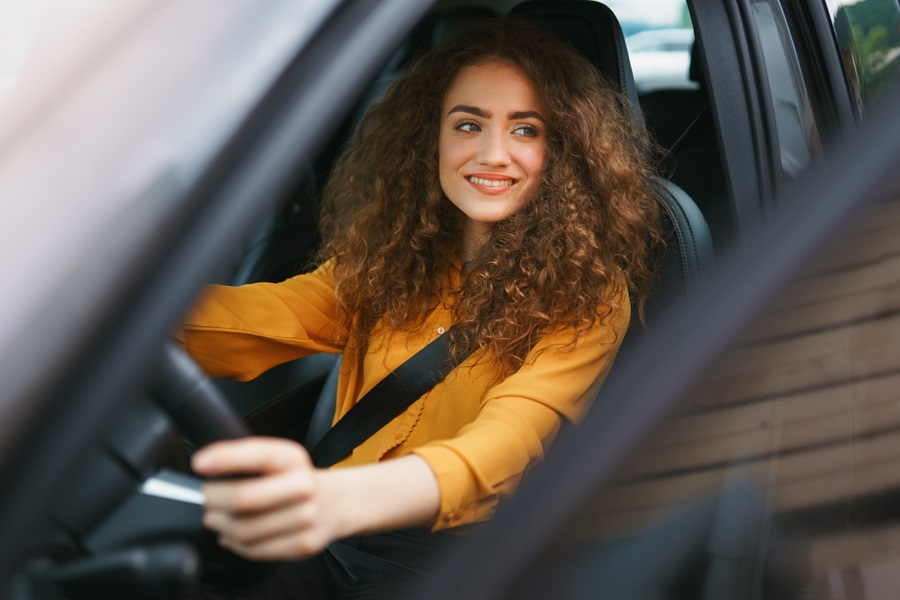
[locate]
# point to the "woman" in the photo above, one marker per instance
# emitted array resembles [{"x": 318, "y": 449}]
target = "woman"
[{"x": 500, "y": 185}]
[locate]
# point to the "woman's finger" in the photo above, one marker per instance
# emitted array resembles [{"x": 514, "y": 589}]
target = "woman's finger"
[
  {"x": 248, "y": 530},
  {"x": 290, "y": 545},
  {"x": 257, "y": 494},
  {"x": 256, "y": 455}
]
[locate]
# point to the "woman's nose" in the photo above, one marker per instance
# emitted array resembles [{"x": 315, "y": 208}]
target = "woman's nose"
[{"x": 494, "y": 149}]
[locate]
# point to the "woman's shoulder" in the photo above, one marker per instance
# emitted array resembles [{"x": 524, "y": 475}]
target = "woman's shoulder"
[{"x": 322, "y": 273}]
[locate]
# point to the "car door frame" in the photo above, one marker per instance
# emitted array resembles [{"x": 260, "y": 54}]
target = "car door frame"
[{"x": 741, "y": 101}]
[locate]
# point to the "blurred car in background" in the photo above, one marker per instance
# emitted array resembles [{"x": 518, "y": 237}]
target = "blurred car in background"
[{"x": 661, "y": 59}]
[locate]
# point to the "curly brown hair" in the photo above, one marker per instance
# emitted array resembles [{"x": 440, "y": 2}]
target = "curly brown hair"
[{"x": 560, "y": 262}]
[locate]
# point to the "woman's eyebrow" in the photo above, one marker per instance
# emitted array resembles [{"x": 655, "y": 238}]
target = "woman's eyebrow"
[
  {"x": 472, "y": 110},
  {"x": 513, "y": 116},
  {"x": 525, "y": 114}
]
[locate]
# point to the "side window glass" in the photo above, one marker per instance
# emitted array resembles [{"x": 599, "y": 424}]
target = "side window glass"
[
  {"x": 868, "y": 37},
  {"x": 795, "y": 123}
]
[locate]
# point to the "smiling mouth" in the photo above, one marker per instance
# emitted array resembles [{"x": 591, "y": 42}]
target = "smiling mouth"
[{"x": 495, "y": 183}]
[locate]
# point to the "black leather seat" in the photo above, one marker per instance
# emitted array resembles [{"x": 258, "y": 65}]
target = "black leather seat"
[
  {"x": 593, "y": 29},
  {"x": 681, "y": 120}
]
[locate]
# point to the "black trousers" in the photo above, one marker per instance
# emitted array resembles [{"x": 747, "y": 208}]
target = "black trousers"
[
  {"x": 365, "y": 568},
  {"x": 319, "y": 578}
]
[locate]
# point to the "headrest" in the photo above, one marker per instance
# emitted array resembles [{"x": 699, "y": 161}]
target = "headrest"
[{"x": 593, "y": 30}]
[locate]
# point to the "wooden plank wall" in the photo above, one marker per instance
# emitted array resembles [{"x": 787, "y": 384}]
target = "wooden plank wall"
[{"x": 807, "y": 406}]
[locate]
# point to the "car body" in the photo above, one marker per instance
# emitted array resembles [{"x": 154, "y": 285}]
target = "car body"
[
  {"x": 661, "y": 58},
  {"x": 130, "y": 175}
]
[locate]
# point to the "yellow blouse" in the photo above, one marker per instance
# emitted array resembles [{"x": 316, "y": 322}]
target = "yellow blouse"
[{"x": 479, "y": 437}]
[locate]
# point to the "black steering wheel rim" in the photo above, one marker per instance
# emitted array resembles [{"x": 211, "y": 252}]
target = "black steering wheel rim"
[{"x": 193, "y": 401}]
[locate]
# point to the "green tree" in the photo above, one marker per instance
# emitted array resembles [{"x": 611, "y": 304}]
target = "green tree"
[{"x": 875, "y": 32}]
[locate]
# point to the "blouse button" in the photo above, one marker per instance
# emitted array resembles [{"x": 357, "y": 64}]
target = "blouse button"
[
  {"x": 398, "y": 436},
  {"x": 440, "y": 331}
]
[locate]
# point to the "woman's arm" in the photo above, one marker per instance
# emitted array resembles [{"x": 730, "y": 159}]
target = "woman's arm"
[
  {"x": 240, "y": 332},
  {"x": 484, "y": 460},
  {"x": 287, "y": 509}
]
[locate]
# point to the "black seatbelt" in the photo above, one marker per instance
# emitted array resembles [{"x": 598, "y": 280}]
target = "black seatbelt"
[{"x": 390, "y": 396}]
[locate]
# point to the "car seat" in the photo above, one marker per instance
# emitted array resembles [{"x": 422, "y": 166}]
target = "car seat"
[
  {"x": 593, "y": 29},
  {"x": 682, "y": 122}
]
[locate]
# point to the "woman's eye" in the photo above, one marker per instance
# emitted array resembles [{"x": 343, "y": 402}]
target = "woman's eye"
[
  {"x": 467, "y": 126},
  {"x": 526, "y": 130}
]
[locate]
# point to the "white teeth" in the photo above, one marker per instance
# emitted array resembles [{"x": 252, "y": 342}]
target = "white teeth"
[{"x": 491, "y": 182}]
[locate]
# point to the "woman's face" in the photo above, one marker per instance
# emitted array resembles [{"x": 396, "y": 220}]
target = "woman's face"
[{"x": 491, "y": 148}]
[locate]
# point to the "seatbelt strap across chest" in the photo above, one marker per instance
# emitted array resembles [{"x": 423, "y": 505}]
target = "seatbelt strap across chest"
[{"x": 390, "y": 397}]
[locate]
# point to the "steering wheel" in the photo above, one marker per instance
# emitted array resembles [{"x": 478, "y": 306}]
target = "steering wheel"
[
  {"x": 146, "y": 543},
  {"x": 193, "y": 401}
]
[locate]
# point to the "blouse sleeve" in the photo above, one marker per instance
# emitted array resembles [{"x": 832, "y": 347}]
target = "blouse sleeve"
[
  {"x": 518, "y": 420},
  {"x": 240, "y": 332}
]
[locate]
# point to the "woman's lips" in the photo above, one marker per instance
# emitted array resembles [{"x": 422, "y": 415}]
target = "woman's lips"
[{"x": 491, "y": 184}]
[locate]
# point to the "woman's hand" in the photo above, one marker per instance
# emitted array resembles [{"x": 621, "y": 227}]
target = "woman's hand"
[
  {"x": 282, "y": 507},
  {"x": 276, "y": 510}
]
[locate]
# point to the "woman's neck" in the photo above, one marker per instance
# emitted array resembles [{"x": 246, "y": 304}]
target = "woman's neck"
[{"x": 474, "y": 235}]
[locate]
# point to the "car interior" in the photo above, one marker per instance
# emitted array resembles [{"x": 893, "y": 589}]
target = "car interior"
[
  {"x": 96, "y": 547},
  {"x": 692, "y": 194}
]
